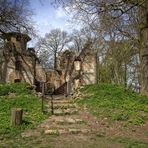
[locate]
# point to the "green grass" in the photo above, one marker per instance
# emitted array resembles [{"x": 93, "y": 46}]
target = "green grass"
[
  {"x": 18, "y": 95},
  {"x": 17, "y": 88},
  {"x": 130, "y": 143},
  {"x": 115, "y": 103}
]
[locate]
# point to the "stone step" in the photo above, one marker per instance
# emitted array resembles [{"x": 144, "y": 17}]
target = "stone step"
[
  {"x": 64, "y": 106},
  {"x": 56, "y": 97},
  {"x": 69, "y": 121},
  {"x": 62, "y": 124},
  {"x": 59, "y": 97},
  {"x": 62, "y": 101},
  {"x": 67, "y": 131},
  {"x": 60, "y": 112}
]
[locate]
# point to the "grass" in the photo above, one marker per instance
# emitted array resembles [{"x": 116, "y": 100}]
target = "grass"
[
  {"x": 129, "y": 143},
  {"x": 115, "y": 103},
  {"x": 18, "y": 95},
  {"x": 104, "y": 101}
]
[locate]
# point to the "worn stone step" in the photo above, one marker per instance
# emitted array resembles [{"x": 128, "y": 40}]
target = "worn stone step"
[
  {"x": 59, "y": 97},
  {"x": 55, "y": 118},
  {"x": 64, "y": 106},
  {"x": 52, "y": 132},
  {"x": 60, "y": 112},
  {"x": 56, "y": 97},
  {"x": 62, "y": 101},
  {"x": 67, "y": 131},
  {"x": 68, "y": 121},
  {"x": 30, "y": 133},
  {"x": 62, "y": 124}
]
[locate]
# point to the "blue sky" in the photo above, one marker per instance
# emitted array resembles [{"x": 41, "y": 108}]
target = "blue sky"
[{"x": 48, "y": 17}]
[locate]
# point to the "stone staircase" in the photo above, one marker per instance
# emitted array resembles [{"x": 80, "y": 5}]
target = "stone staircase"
[{"x": 65, "y": 119}]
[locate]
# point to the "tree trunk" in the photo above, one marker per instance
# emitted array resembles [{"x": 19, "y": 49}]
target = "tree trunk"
[
  {"x": 125, "y": 75},
  {"x": 144, "y": 47},
  {"x": 98, "y": 70},
  {"x": 4, "y": 70},
  {"x": 16, "y": 116},
  {"x": 55, "y": 61}
]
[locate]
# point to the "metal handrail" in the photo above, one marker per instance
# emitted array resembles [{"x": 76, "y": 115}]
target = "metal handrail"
[{"x": 52, "y": 108}]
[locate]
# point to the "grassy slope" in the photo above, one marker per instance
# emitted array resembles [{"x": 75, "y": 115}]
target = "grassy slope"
[
  {"x": 18, "y": 95},
  {"x": 115, "y": 103},
  {"x": 103, "y": 101}
]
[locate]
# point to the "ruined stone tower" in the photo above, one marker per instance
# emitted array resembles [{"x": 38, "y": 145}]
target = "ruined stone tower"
[
  {"x": 20, "y": 63},
  {"x": 17, "y": 39}
]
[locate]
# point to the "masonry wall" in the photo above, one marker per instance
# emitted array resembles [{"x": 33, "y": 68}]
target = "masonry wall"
[
  {"x": 89, "y": 69},
  {"x": 26, "y": 73},
  {"x": 20, "y": 63},
  {"x": 85, "y": 76}
]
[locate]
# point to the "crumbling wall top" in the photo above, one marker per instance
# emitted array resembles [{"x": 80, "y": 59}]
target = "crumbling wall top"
[{"x": 16, "y": 35}]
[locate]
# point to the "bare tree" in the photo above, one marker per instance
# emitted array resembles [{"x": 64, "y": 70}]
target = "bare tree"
[
  {"x": 15, "y": 15},
  {"x": 54, "y": 42},
  {"x": 123, "y": 17},
  {"x": 80, "y": 37},
  {"x": 78, "y": 41}
]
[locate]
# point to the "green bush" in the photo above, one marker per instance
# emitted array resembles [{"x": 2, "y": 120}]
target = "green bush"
[{"x": 18, "y": 88}]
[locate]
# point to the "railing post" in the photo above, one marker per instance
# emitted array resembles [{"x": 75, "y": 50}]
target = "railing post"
[
  {"x": 43, "y": 95},
  {"x": 68, "y": 80},
  {"x": 16, "y": 116},
  {"x": 52, "y": 109}
]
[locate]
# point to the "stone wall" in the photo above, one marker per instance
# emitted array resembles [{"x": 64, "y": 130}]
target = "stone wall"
[
  {"x": 40, "y": 73},
  {"x": 20, "y": 63},
  {"x": 29, "y": 70},
  {"x": 87, "y": 73},
  {"x": 89, "y": 69}
]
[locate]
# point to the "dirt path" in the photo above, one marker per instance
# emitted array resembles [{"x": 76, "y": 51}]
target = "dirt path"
[{"x": 74, "y": 127}]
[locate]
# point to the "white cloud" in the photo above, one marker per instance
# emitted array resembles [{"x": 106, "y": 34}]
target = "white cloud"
[{"x": 60, "y": 13}]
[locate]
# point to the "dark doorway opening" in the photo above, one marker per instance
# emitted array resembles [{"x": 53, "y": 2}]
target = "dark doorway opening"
[{"x": 17, "y": 80}]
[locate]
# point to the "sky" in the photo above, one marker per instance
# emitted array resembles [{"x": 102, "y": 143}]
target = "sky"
[{"x": 47, "y": 17}]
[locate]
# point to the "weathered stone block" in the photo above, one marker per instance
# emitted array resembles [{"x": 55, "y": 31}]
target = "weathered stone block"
[
  {"x": 74, "y": 131},
  {"x": 52, "y": 132}
]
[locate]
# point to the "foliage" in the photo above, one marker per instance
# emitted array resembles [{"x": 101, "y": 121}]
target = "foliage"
[
  {"x": 18, "y": 96},
  {"x": 119, "y": 63},
  {"x": 116, "y": 103},
  {"x": 18, "y": 88}
]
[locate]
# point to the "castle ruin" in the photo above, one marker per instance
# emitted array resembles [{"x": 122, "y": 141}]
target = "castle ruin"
[{"x": 20, "y": 63}]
